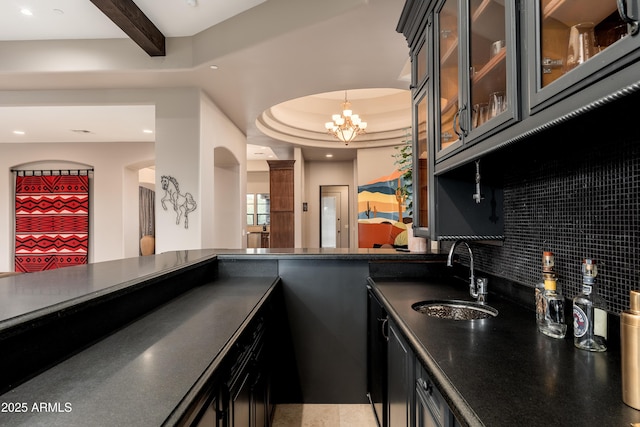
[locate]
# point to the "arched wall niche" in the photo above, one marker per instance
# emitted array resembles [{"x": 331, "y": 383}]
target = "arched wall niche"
[{"x": 227, "y": 197}]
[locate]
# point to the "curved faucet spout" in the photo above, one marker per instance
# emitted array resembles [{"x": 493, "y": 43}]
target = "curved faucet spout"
[{"x": 473, "y": 291}]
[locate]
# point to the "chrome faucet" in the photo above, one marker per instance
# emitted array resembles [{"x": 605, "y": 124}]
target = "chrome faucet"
[{"x": 477, "y": 287}]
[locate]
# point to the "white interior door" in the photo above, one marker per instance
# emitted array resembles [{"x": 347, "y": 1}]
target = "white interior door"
[{"x": 334, "y": 216}]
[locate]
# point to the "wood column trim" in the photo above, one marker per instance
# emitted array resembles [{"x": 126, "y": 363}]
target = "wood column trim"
[
  {"x": 282, "y": 219},
  {"x": 281, "y": 164}
]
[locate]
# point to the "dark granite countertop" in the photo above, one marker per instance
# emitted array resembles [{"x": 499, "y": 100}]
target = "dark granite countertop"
[
  {"x": 24, "y": 297},
  {"x": 502, "y": 371},
  {"x": 141, "y": 373},
  {"x": 323, "y": 253}
]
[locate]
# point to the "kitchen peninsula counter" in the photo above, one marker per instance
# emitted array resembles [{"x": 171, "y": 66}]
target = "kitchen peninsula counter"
[
  {"x": 149, "y": 371},
  {"x": 501, "y": 371},
  {"x": 134, "y": 341},
  {"x": 25, "y": 297},
  {"x": 325, "y": 253},
  {"x": 29, "y": 296}
]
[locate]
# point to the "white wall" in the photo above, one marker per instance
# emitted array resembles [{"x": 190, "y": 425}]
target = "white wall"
[
  {"x": 130, "y": 212},
  {"x": 374, "y": 163},
  {"x": 317, "y": 174},
  {"x": 177, "y": 155},
  {"x": 189, "y": 126},
  {"x": 258, "y": 182},
  {"x": 112, "y": 200},
  {"x": 223, "y": 163}
]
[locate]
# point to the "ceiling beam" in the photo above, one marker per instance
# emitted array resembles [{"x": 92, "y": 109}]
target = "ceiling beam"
[{"x": 128, "y": 16}]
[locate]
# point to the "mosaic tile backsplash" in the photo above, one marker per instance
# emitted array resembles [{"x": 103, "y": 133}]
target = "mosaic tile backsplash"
[{"x": 580, "y": 202}]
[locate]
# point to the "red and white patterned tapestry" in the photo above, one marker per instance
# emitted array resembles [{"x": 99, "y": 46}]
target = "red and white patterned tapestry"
[{"x": 52, "y": 219}]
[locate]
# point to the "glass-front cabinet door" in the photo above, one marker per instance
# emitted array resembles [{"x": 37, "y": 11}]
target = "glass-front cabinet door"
[
  {"x": 490, "y": 90},
  {"x": 477, "y": 69},
  {"x": 575, "y": 41},
  {"x": 448, "y": 75},
  {"x": 421, "y": 163},
  {"x": 422, "y": 70}
]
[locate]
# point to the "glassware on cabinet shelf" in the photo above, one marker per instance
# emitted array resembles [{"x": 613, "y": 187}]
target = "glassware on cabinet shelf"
[
  {"x": 473, "y": 66},
  {"x": 488, "y": 54},
  {"x": 497, "y": 104},
  {"x": 582, "y": 44},
  {"x": 479, "y": 114},
  {"x": 496, "y": 48},
  {"x": 573, "y": 31}
]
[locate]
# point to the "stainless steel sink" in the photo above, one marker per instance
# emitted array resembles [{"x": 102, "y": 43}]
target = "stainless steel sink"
[{"x": 455, "y": 309}]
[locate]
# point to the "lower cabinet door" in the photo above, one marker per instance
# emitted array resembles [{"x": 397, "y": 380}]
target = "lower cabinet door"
[
  {"x": 431, "y": 410},
  {"x": 240, "y": 406},
  {"x": 209, "y": 417},
  {"x": 377, "y": 357},
  {"x": 259, "y": 402},
  {"x": 399, "y": 387},
  {"x": 426, "y": 414}
]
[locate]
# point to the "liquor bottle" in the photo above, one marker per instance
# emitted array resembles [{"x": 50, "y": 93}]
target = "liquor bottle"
[
  {"x": 551, "y": 318},
  {"x": 549, "y": 301},
  {"x": 589, "y": 313},
  {"x": 548, "y": 267}
]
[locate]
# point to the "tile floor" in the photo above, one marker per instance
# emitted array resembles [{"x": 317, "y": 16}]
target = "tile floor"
[{"x": 320, "y": 415}]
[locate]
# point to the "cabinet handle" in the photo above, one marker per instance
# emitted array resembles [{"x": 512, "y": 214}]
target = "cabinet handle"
[
  {"x": 455, "y": 123},
  {"x": 622, "y": 11},
  {"x": 382, "y": 329},
  {"x": 463, "y": 130}
]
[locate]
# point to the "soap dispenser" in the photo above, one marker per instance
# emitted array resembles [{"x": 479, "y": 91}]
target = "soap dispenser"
[{"x": 630, "y": 351}]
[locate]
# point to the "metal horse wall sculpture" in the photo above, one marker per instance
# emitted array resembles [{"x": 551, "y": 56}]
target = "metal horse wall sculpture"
[{"x": 183, "y": 204}]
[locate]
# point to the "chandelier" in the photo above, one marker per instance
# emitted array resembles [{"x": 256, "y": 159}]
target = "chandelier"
[{"x": 345, "y": 126}]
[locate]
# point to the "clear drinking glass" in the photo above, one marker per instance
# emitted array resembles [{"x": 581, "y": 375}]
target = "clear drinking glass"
[
  {"x": 581, "y": 44},
  {"x": 474, "y": 116},
  {"x": 479, "y": 114},
  {"x": 497, "y": 104}
]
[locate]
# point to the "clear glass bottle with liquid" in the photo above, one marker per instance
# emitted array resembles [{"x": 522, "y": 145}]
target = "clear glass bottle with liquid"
[
  {"x": 552, "y": 321},
  {"x": 589, "y": 313},
  {"x": 550, "y": 303},
  {"x": 548, "y": 267}
]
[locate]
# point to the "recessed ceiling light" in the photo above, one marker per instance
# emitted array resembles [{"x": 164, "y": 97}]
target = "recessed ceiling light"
[
  {"x": 147, "y": 131},
  {"x": 19, "y": 132},
  {"x": 328, "y": 155},
  {"x": 26, "y": 12},
  {"x": 213, "y": 67}
]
